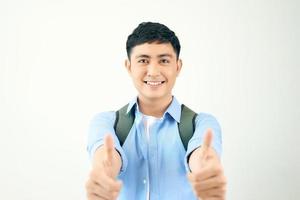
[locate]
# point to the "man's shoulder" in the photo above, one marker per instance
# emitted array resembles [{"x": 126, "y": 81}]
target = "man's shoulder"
[
  {"x": 105, "y": 115},
  {"x": 200, "y": 115},
  {"x": 203, "y": 115},
  {"x": 206, "y": 118}
]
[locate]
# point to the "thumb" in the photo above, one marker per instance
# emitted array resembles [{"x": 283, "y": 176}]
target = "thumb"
[
  {"x": 206, "y": 144},
  {"x": 207, "y": 139},
  {"x": 108, "y": 148}
]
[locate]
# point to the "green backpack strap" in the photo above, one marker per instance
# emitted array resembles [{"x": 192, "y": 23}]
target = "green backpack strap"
[
  {"x": 186, "y": 127},
  {"x": 123, "y": 123}
]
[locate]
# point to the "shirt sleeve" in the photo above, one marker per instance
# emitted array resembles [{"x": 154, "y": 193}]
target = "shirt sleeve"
[
  {"x": 101, "y": 125},
  {"x": 202, "y": 123}
]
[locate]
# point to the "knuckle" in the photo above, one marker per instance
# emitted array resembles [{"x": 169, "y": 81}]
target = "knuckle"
[
  {"x": 224, "y": 189},
  {"x": 207, "y": 193},
  {"x": 220, "y": 180},
  {"x": 196, "y": 186},
  {"x": 112, "y": 196},
  {"x": 223, "y": 180},
  {"x": 196, "y": 176},
  {"x": 95, "y": 175},
  {"x": 218, "y": 169},
  {"x": 87, "y": 184},
  {"x": 90, "y": 196},
  {"x": 198, "y": 193},
  {"x": 92, "y": 173},
  {"x": 110, "y": 188}
]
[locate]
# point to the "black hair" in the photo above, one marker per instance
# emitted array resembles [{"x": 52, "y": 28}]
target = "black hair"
[{"x": 149, "y": 32}]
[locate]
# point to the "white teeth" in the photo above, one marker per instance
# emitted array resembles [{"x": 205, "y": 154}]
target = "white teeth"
[{"x": 154, "y": 83}]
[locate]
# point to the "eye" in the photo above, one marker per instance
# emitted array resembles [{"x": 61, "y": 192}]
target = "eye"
[
  {"x": 164, "y": 61},
  {"x": 143, "y": 61}
]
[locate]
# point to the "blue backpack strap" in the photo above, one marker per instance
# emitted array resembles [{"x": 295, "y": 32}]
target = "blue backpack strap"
[
  {"x": 123, "y": 123},
  {"x": 186, "y": 127}
]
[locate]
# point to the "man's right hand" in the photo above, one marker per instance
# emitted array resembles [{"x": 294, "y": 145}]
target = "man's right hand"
[{"x": 102, "y": 183}]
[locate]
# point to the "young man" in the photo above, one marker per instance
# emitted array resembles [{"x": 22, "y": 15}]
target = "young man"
[{"x": 152, "y": 163}]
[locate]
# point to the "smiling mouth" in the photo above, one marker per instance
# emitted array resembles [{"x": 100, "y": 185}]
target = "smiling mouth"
[{"x": 154, "y": 83}]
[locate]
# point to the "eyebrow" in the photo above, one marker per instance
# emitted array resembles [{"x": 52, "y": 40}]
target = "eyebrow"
[
  {"x": 165, "y": 55},
  {"x": 159, "y": 56},
  {"x": 142, "y": 56}
]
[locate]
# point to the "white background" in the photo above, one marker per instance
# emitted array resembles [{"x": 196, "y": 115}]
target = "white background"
[{"x": 61, "y": 62}]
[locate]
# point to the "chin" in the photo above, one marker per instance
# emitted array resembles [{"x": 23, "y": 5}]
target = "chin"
[{"x": 154, "y": 97}]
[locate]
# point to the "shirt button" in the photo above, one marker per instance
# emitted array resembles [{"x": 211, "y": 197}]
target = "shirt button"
[{"x": 144, "y": 181}]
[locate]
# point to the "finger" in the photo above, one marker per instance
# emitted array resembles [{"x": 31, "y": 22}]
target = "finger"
[
  {"x": 211, "y": 183},
  {"x": 103, "y": 179},
  {"x": 94, "y": 196},
  {"x": 206, "y": 172},
  {"x": 214, "y": 198},
  {"x": 101, "y": 192},
  {"x": 211, "y": 193},
  {"x": 93, "y": 190},
  {"x": 109, "y": 184},
  {"x": 215, "y": 192},
  {"x": 91, "y": 196},
  {"x": 109, "y": 147}
]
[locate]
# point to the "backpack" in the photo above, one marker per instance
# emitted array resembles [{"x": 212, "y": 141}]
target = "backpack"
[{"x": 124, "y": 122}]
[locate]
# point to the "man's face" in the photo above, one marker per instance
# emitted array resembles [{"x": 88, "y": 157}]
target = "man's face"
[{"x": 153, "y": 69}]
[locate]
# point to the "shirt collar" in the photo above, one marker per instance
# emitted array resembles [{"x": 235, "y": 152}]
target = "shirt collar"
[
  {"x": 132, "y": 104},
  {"x": 174, "y": 109}
]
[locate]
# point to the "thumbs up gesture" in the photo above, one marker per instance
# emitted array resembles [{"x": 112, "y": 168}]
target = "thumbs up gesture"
[
  {"x": 102, "y": 182},
  {"x": 207, "y": 177}
]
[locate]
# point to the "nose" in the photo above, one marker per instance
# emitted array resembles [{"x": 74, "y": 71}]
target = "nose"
[{"x": 153, "y": 70}]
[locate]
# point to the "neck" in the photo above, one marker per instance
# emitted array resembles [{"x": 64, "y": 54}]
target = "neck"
[{"x": 155, "y": 107}]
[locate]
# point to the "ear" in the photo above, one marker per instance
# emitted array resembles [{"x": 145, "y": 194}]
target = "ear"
[
  {"x": 179, "y": 66},
  {"x": 128, "y": 65}
]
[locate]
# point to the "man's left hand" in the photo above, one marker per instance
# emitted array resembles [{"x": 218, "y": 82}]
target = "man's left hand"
[{"x": 207, "y": 176}]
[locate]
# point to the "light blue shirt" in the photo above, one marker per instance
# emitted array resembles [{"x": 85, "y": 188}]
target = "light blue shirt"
[{"x": 160, "y": 162}]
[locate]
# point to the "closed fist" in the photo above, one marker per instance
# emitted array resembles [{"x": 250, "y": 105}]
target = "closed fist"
[{"x": 207, "y": 176}]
